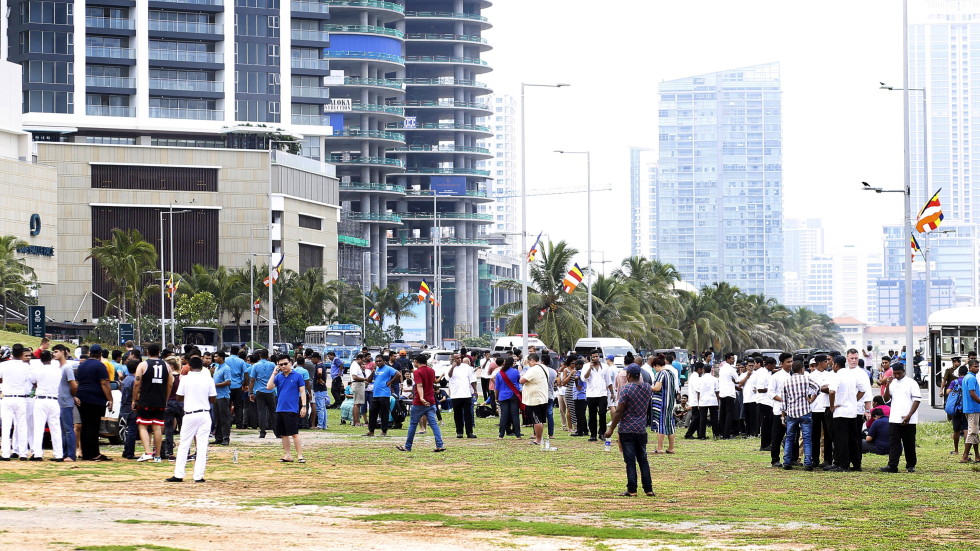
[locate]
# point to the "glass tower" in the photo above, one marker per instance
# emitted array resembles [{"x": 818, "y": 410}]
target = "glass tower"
[{"x": 719, "y": 194}]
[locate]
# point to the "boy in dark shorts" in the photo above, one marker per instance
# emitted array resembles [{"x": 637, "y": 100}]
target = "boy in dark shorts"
[
  {"x": 290, "y": 406},
  {"x": 150, "y": 391}
]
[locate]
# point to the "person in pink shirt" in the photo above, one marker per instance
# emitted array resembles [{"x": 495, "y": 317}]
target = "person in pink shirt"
[{"x": 886, "y": 373}]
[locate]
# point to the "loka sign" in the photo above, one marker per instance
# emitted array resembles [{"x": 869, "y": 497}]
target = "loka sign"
[
  {"x": 338, "y": 104},
  {"x": 36, "y": 321}
]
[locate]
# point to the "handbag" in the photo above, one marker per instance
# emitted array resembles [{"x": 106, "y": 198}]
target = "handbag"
[
  {"x": 954, "y": 400},
  {"x": 510, "y": 384}
]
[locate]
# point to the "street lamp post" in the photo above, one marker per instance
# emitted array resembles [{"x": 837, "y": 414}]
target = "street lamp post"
[
  {"x": 173, "y": 321},
  {"x": 908, "y": 253},
  {"x": 525, "y": 272},
  {"x": 588, "y": 210}
]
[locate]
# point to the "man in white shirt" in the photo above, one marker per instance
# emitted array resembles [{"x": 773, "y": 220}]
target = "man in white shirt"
[
  {"x": 905, "y": 397},
  {"x": 749, "y": 404},
  {"x": 818, "y": 409},
  {"x": 693, "y": 380},
  {"x": 727, "y": 378},
  {"x": 764, "y": 400},
  {"x": 358, "y": 379},
  {"x": 462, "y": 390},
  {"x": 843, "y": 393},
  {"x": 198, "y": 393},
  {"x": 15, "y": 385},
  {"x": 779, "y": 377},
  {"x": 707, "y": 397},
  {"x": 862, "y": 404},
  {"x": 47, "y": 377},
  {"x": 535, "y": 394},
  {"x": 598, "y": 386}
]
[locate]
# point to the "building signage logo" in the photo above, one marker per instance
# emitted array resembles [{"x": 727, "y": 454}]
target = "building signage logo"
[
  {"x": 338, "y": 104},
  {"x": 35, "y": 225},
  {"x": 36, "y": 320},
  {"x": 36, "y": 250}
]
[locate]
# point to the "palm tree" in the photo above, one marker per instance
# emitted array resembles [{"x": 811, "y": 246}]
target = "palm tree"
[
  {"x": 698, "y": 322},
  {"x": 124, "y": 259},
  {"x": 556, "y": 316},
  {"x": 309, "y": 296},
  {"x": 240, "y": 302}
]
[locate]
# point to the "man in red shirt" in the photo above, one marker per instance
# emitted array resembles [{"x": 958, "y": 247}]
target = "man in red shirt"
[
  {"x": 45, "y": 343},
  {"x": 423, "y": 403}
]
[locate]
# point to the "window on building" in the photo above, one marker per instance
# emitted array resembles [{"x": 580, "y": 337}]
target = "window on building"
[
  {"x": 310, "y": 256},
  {"x": 47, "y": 101},
  {"x": 50, "y": 72},
  {"x": 310, "y": 222}
]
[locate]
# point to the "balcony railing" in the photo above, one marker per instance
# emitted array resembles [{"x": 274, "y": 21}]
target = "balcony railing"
[
  {"x": 310, "y": 7},
  {"x": 191, "y": 114},
  {"x": 111, "y": 52},
  {"x": 444, "y": 81},
  {"x": 442, "y": 241},
  {"x": 186, "y": 85},
  {"x": 444, "y": 15},
  {"x": 198, "y": 2},
  {"x": 186, "y": 56},
  {"x": 383, "y": 82},
  {"x": 310, "y": 92},
  {"x": 445, "y": 216},
  {"x": 365, "y": 29},
  {"x": 438, "y": 36},
  {"x": 444, "y": 59},
  {"x": 110, "y": 82},
  {"x": 422, "y": 271},
  {"x": 437, "y": 170},
  {"x": 366, "y": 4},
  {"x": 428, "y": 192},
  {"x": 384, "y": 161},
  {"x": 307, "y": 63},
  {"x": 439, "y": 148},
  {"x": 348, "y": 54},
  {"x": 439, "y": 126},
  {"x": 310, "y": 120},
  {"x": 371, "y": 186},
  {"x": 110, "y": 111},
  {"x": 110, "y": 23},
  {"x": 185, "y": 27},
  {"x": 377, "y": 108},
  {"x": 371, "y": 217},
  {"x": 444, "y": 103},
  {"x": 377, "y": 134},
  {"x": 313, "y": 36}
]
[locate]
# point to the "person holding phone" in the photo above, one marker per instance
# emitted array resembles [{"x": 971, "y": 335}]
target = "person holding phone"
[{"x": 290, "y": 406}]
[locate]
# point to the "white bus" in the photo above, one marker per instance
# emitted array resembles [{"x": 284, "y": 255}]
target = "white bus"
[{"x": 952, "y": 332}]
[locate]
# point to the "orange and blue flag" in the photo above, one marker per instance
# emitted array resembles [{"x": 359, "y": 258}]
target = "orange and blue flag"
[
  {"x": 534, "y": 249},
  {"x": 930, "y": 216},
  {"x": 274, "y": 272},
  {"x": 915, "y": 248},
  {"x": 572, "y": 279},
  {"x": 373, "y": 314},
  {"x": 423, "y": 291}
]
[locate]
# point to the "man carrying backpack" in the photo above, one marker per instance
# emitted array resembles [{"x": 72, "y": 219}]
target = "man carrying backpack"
[{"x": 954, "y": 408}]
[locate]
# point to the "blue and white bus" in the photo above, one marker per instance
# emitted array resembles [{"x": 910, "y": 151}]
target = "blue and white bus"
[{"x": 344, "y": 339}]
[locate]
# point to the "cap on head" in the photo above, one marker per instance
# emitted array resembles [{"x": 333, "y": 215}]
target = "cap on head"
[
  {"x": 633, "y": 369},
  {"x": 610, "y": 357},
  {"x": 95, "y": 348}
]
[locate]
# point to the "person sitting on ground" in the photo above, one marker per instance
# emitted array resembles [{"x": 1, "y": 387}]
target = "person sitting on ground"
[
  {"x": 878, "y": 440},
  {"x": 878, "y": 402},
  {"x": 347, "y": 407},
  {"x": 682, "y": 412}
]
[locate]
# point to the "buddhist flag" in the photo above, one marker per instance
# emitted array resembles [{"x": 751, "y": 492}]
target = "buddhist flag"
[
  {"x": 915, "y": 248},
  {"x": 170, "y": 286},
  {"x": 534, "y": 249},
  {"x": 274, "y": 272},
  {"x": 542, "y": 313},
  {"x": 423, "y": 291},
  {"x": 572, "y": 279},
  {"x": 257, "y": 305},
  {"x": 930, "y": 216},
  {"x": 373, "y": 314},
  {"x": 432, "y": 299}
]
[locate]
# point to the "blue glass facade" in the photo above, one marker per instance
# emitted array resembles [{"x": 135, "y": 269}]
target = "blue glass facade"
[{"x": 719, "y": 194}]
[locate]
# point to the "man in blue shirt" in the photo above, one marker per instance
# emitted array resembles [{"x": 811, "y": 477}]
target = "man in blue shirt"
[
  {"x": 237, "y": 367},
  {"x": 222, "y": 404},
  {"x": 384, "y": 378},
  {"x": 95, "y": 396},
  {"x": 878, "y": 441},
  {"x": 298, "y": 367},
  {"x": 971, "y": 408},
  {"x": 126, "y": 409},
  {"x": 262, "y": 392},
  {"x": 336, "y": 378},
  {"x": 290, "y": 406}
]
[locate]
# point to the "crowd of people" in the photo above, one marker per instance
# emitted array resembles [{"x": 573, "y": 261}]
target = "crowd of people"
[{"x": 798, "y": 410}]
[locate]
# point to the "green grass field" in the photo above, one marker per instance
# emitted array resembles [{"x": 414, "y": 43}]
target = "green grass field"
[
  {"x": 710, "y": 494},
  {"x": 8, "y": 338}
]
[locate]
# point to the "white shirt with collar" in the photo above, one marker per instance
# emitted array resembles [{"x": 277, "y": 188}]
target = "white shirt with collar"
[
  {"x": 598, "y": 381},
  {"x": 693, "y": 381},
  {"x": 904, "y": 392},
  {"x": 861, "y": 384},
  {"x": 822, "y": 402},
  {"x": 461, "y": 383},
  {"x": 16, "y": 375},
  {"x": 845, "y": 393},
  {"x": 196, "y": 387},
  {"x": 707, "y": 387},
  {"x": 776, "y": 383},
  {"x": 727, "y": 376},
  {"x": 748, "y": 391},
  {"x": 763, "y": 382},
  {"x": 47, "y": 378}
]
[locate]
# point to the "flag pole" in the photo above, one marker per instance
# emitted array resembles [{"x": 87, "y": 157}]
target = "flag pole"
[{"x": 909, "y": 336}]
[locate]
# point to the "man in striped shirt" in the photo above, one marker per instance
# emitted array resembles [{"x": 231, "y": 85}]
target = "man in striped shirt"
[{"x": 795, "y": 395}]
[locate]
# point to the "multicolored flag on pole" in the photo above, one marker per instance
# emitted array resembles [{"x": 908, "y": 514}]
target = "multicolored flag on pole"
[
  {"x": 930, "y": 216},
  {"x": 257, "y": 305},
  {"x": 423, "y": 291},
  {"x": 373, "y": 314},
  {"x": 534, "y": 249},
  {"x": 915, "y": 248},
  {"x": 172, "y": 287},
  {"x": 572, "y": 279},
  {"x": 274, "y": 272}
]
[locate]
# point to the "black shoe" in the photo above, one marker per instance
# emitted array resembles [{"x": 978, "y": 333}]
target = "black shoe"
[
  {"x": 833, "y": 469},
  {"x": 174, "y": 479},
  {"x": 857, "y": 469},
  {"x": 37, "y": 459},
  {"x": 4, "y": 459},
  {"x": 910, "y": 469},
  {"x": 14, "y": 456},
  {"x": 788, "y": 467},
  {"x": 888, "y": 470},
  {"x": 797, "y": 464},
  {"x": 576, "y": 434},
  {"x": 776, "y": 465},
  {"x": 25, "y": 459},
  {"x": 765, "y": 449},
  {"x": 201, "y": 480},
  {"x": 471, "y": 436},
  {"x": 593, "y": 439},
  {"x": 226, "y": 443},
  {"x": 459, "y": 436},
  {"x": 808, "y": 468},
  {"x": 688, "y": 437}
]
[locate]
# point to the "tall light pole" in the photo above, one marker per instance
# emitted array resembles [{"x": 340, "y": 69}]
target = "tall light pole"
[
  {"x": 925, "y": 179},
  {"x": 910, "y": 345},
  {"x": 173, "y": 321},
  {"x": 525, "y": 272},
  {"x": 588, "y": 210},
  {"x": 908, "y": 255}
]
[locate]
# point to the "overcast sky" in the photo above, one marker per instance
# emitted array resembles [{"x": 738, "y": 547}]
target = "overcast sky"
[{"x": 838, "y": 127}]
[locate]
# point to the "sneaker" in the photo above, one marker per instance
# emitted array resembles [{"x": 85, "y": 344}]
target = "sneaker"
[
  {"x": 159, "y": 460},
  {"x": 888, "y": 470},
  {"x": 788, "y": 467},
  {"x": 808, "y": 468},
  {"x": 174, "y": 479},
  {"x": 200, "y": 480},
  {"x": 145, "y": 457}
]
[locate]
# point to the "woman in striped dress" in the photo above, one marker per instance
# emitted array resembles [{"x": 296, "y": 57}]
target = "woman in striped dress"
[
  {"x": 664, "y": 397},
  {"x": 566, "y": 379}
]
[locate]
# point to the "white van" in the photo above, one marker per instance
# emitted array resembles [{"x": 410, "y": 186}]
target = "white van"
[
  {"x": 616, "y": 347},
  {"x": 505, "y": 344}
]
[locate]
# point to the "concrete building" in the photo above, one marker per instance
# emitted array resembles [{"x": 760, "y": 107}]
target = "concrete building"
[
  {"x": 802, "y": 240},
  {"x": 891, "y": 298},
  {"x": 236, "y": 202},
  {"x": 720, "y": 210},
  {"x": 874, "y": 270},
  {"x": 643, "y": 197},
  {"x": 503, "y": 188},
  {"x": 953, "y": 253},
  {"x": 858, "y": 334}
]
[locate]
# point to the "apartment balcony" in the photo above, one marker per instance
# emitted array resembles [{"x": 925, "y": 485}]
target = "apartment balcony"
[
  {"x": 364, "y": 4},
  {"x": 446, "y": 216},
  {"x": 109, "y": 52},
  {"x": 448, "y": 148},
  {"x": 364, "y": 56},
  {"x": 445, "y": 104},
  {"x": 446, "y": 128},
  {"x": 341, "y": 160},
  {"x": 209, "y": 6},
  {"x": 449, "y": 16},
  {"x": 374, "y": 187},
  {"x": 356, "y": 134},
  {"x": 110, "y": 82},
  {"x": 443, "y": 242},
  {"x": 114, "y": 23},
  {"x": 313, "y": 7},
  {"x": 310, "y": 66},
  {"x": 110, "y": 111},
  {"x": 365, "y": 29},
  {"x": 375, "y": 218},
  {"x": 468, "y": 39},
  {"x": 185, "y": 85},
  {"x": 186, "y": 27},
  {"x": 303, "y": 35},
  {"x": 447, "y": 82},
  {"x": 310, "y": 92},
  {"x": 173, "y": 58},
  {"x": 189, "y": 114},
  {"x": 374, "y": 82}
]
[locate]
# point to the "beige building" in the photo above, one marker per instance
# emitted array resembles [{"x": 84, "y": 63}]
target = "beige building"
[{"x": 227, "y": 204}]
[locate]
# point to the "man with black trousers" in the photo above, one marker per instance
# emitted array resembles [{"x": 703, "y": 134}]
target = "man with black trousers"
[
  {"x": 779, "y": 377},
  {"x": 821, "y": 417},
  {"x": 727, "y": 379},
  {"x": 598, "y": 386},
  {"x": 95, "y": 396},
  {"x": 763, "y": 397},
  {"x": 905, "y": 396},
  {"x": 842, "y": 389}
]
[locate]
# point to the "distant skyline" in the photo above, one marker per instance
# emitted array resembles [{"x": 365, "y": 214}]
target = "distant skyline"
[{"x": 838, "y": 128}]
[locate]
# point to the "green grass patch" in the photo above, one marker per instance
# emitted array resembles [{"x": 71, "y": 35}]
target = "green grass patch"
[
  {"x": 656, "y": 516},
  {"x": 15, "y": 508},
  {"x": 20, "y": 477},
  {"x": 524, "y": 528},
  {"x": 143, "y": 547},
  {"x": 166, "y": 522},
  {"x": 324, "y": 499}
]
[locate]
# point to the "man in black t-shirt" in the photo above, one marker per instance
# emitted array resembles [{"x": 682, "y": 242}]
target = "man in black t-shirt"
[
  {"x": 150, "y": 391},
  {"x": 321, "y": 392}
]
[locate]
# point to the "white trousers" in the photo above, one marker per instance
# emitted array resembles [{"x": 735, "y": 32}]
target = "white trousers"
[
  {"x": 47, "y": 412},
  {"x": 14, "y": 412},
  {"x": 196, "y": 426}
]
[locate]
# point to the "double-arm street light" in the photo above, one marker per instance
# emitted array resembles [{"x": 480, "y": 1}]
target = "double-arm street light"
[
  {"x": 588, "y": 217},
  {"x": 525, "y": 272}
]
